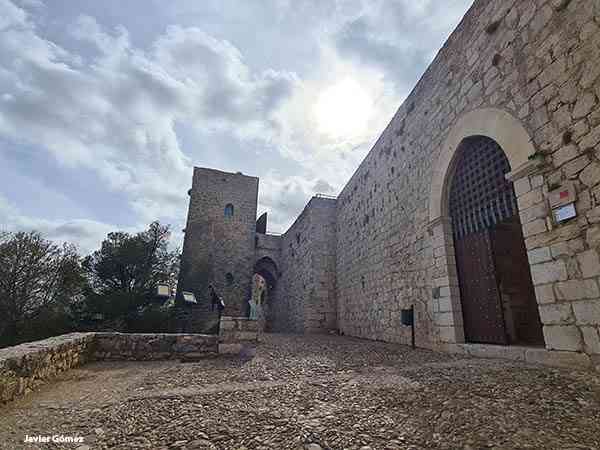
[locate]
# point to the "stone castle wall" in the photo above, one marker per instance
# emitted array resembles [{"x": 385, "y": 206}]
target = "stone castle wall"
[
  {"x": 216, "y": 245},
  {"x": 539, "y": 63},
  {"x": 305, "y": 294},
  {"x": 524, "y": 73}
]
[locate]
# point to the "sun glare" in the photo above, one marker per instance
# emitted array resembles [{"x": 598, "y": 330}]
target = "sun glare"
[{"x": 343, "y": 110}]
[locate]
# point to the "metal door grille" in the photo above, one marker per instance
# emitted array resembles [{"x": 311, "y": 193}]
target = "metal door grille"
[{"x": 480, "y": 196}]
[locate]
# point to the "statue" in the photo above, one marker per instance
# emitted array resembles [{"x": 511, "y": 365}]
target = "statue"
[{"x": 252, "y": 303}]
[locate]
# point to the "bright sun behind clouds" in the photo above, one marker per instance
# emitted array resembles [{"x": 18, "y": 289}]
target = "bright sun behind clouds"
[{"x": 343, "y": 110}]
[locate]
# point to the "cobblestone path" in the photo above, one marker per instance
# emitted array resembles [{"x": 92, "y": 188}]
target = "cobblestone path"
[{"x": 310, "y": 393}]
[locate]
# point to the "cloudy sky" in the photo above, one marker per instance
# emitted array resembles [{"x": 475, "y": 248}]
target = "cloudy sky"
[{"x": 106, "y": 106}]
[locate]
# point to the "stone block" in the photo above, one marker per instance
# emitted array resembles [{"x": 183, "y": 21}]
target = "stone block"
[
  {"x": 522, "y": 186},
  {"x": 577, "y": 289},
  {"x": 584, "y": 202},
  {"x": 592, "y": 236},
  {"x": 572, "y": 168},
  {"x": 445, "y": 319},
  {"x": 537, "y": 181},
  {"x": 563, "y": 337},
  {"x": 230, "y": 349},
  {"x": 445, "y": 304},
  {"x": 514, "y": 353},
  {"x": 566, "y": 359},
  {"x": 564, "y": 154},
  {"x": 560, "y": 249},
  {"x": 591, "y": 340},
  {"x": 589, "y": 263},
  {"x": 539, "y": 255},
  {"x": 591, "y": 139},
  {"x": 447, "y": 334},
  {"x": 568, "y": 92},
  {"x": 247, "y": 335},
  {"x": 544, "y": 293},
  {"x": 556, "y": 314},
  {"x": 585, "y": 104},
  {"x": 549, "y": 272},
  {"x": 537, "y": 211},
  {"x": 562, "y": 117},
  {"x": 587, "y": 312},
  {"x": 593, "y": 215},
  {"x": 534, "y": 227},
  {"x": 590, "y": 176},
  {"x": 227, "y": 325},
  {"x": 530, "y": 198}
]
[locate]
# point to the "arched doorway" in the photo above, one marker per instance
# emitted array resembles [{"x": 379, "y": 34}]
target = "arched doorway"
[
  {"x": 264, "y": 283},
  {"x": 496, "y": 292}
]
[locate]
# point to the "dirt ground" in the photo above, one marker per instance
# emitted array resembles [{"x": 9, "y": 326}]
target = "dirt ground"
[{"x": 313, "y": 392}]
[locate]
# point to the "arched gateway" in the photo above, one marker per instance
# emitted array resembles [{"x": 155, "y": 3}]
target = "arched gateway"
[
  {"x": 265, "y": 279},
  {"x": 474, "y": 209},
  {"x": 497, "y": 294}
]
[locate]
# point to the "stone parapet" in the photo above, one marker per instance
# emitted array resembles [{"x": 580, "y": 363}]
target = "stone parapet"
[
  {"x": 144, "y": 347},
  {"x": 25, "y": 367}
]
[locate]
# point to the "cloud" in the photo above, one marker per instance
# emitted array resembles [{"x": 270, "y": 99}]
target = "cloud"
[
  {"x": 322, "y": 187},
  {"x": 86, "y": 234},
  {"x": 11, "y": 15},
  {"x": 284, "y": 197},
  {"x": 114, "y": 110},
  {"x": 400, "y": 37},
  {"x": 256, "y": 87}
]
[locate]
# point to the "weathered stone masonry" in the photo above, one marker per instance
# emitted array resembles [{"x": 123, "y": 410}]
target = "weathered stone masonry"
[
  {"x": 523, "y": 73},
  {"x": 305, "y": 296},
  {"x": 25, "y": 367},
  {"x": 218, "y": 248}
]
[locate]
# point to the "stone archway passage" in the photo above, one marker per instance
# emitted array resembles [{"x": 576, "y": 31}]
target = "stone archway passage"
[
  {"x": 264, "y": 289},
  {"x": 497, "y": 295},
  {"x": 267, "y": 269}
]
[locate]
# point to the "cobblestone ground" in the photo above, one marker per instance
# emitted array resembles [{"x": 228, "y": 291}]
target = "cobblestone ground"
[{"x": 311, "y": 393}]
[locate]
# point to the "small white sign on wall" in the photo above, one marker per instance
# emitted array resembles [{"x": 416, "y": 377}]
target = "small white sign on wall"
[
  {"x": 163, "y": 291},
  {"x": 189, "y": 297},
  {"x": 565, "y": 212}
]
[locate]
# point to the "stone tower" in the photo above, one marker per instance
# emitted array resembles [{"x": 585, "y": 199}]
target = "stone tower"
[{"x": 218, "y": 247}]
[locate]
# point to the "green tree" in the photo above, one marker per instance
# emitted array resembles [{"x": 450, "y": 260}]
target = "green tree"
[
  {"x": 41, "y": 285},
  {"x": 123, "y": 275}
]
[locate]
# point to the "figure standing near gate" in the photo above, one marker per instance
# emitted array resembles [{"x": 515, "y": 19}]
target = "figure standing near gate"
[{"x": 216, "y": 300}]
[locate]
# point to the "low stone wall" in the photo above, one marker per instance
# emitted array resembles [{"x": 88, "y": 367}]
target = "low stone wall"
[
  {"x": 237, "y": 333},
  {"x": 24, "y": 367},
  {"x": 146, "y": 347}
]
